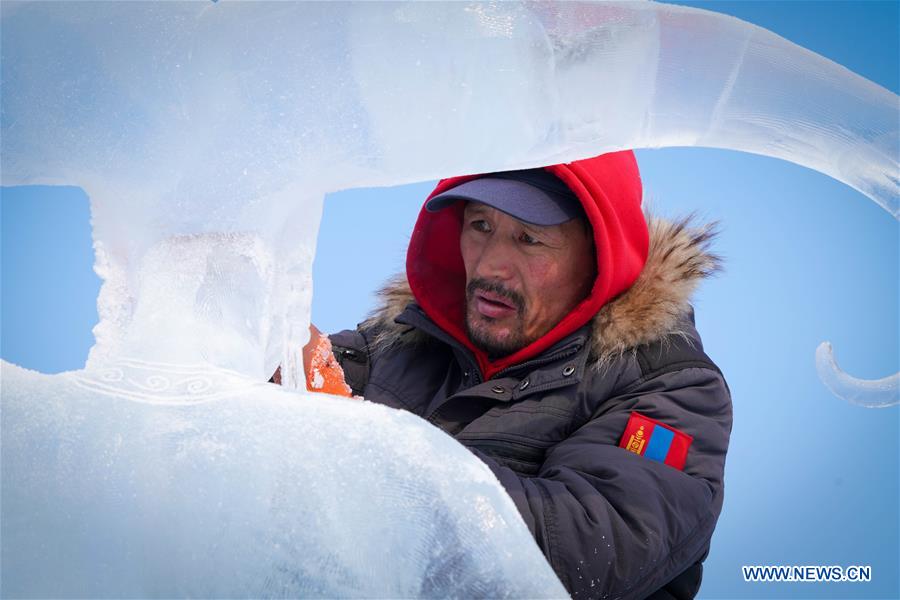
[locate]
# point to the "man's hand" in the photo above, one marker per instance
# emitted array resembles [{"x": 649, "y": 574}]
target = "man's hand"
[
  {"x": 315, "y": 339},
  {"x": 323, "y": 373}
]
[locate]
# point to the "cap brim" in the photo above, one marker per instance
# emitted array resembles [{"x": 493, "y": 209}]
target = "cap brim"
[{"x": 515, "y": 198}]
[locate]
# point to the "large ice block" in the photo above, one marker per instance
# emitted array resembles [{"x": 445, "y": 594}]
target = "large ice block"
[{"x": 152, "y": 480}]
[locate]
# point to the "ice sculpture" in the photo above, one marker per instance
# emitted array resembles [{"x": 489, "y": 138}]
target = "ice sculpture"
[
  {"x": 236, "y": 118},
  {"x": 879, "y": 393},
  {"x": 206, "y": 136},
  {"x": 248, "y": 492}
]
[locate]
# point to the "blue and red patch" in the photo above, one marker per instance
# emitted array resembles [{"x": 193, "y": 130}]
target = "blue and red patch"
[{"x": 657, "y": 441}]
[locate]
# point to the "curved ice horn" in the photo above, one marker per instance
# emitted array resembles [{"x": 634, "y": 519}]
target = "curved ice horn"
[
  {"x": 641, "y": 75},
  {"x": 210, "y": 117},
  {"x": 878, "y": 393}
]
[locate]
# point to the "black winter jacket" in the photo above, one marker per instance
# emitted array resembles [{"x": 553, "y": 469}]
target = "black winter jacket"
[{"x": 611, "y": 523}]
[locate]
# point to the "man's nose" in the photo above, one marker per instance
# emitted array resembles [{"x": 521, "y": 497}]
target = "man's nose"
[{"x": 495, "y": 261}]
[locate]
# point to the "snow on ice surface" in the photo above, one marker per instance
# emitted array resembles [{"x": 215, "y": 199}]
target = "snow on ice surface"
[
  {"x": 254, "y": 493},
  {"x": 206, "y": 136}
]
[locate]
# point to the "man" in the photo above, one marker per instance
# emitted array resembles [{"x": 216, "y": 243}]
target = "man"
[{"x": 546, "y": 326}]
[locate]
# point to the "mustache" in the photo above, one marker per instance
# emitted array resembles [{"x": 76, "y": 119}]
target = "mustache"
[{"x": 486, "y": 285}]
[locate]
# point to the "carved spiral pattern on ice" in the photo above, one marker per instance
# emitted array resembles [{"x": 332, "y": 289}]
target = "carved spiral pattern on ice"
[{"x": 161, "y": 383}]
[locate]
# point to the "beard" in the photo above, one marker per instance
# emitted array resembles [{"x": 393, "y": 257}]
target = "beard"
[{"x": 478, "y": 326}]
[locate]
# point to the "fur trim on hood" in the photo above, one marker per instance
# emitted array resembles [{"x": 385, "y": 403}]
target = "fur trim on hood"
[{"x": 652, "y": 308}]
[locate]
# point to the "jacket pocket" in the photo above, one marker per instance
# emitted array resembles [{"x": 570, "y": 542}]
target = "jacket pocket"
[{"x": 522, "y": 457}]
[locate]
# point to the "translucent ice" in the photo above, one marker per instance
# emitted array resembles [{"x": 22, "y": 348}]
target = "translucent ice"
[
  {"x": 206, "y": 136},
  {"x": 879, "y": 393},
  {"x": 244, "y": 490},
  {"x": 182, "y": 119}
]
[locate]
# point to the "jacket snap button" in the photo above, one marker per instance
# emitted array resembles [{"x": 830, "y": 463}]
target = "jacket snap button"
[
  {"x": 498, "y": 389},
  {"x": 524, "y": 384},
  {"x": 567, "y": 372}
]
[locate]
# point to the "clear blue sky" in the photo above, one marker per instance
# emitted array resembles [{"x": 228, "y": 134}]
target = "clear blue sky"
[{"x": 810, "y": 479}]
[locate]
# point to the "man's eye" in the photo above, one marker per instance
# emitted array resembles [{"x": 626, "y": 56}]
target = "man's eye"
[
  {"x": 528, "y": 240},
  {"x": 480, "y": 225}
]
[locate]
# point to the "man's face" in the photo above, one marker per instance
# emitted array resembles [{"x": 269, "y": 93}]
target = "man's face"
[{"x": 521, "y": 279}]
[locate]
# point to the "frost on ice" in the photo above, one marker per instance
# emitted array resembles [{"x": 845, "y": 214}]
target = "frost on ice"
[
  {"x": 249, "y": 491},
  {"x": 184, "y": 120},
  {"x": 206, "y": 136}
]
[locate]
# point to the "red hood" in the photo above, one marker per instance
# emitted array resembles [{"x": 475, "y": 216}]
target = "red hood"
[{"x": 609, "y": 188}]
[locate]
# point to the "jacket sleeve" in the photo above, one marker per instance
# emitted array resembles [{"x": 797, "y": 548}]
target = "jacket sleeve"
[
  {"x": 351, "y": 349},
  {"x": 614, "y": 524}
]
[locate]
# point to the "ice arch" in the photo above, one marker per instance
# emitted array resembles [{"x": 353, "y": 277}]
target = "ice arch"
[
  {"x": 206, "y": 136},
  {"x": 181, "y": 119}
]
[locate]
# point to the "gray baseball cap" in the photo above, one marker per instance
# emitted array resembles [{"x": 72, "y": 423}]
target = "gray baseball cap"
[{"x": 534, "y": 196}]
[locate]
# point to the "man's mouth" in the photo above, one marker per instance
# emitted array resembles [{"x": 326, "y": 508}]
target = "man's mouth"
[{"x": 493, "y": 305}]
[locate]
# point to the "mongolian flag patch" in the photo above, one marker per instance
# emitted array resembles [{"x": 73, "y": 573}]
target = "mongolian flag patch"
[{"x": 654, "y": 440}]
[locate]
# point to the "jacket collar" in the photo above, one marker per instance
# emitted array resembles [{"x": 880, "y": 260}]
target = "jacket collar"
[{"x": 655, "y": 306}]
